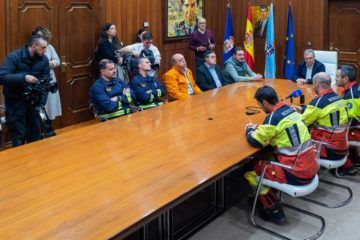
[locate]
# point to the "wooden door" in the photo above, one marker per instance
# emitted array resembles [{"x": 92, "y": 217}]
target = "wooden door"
[
  {"x": 344, "y": 31},
  {"x": 23, "y": 16},
  {"x": 79, "y": 24},
  {"x": 75, "y": 27}
]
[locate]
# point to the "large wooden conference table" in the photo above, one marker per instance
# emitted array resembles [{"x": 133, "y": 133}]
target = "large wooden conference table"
[{"x": 100, "y": 181}]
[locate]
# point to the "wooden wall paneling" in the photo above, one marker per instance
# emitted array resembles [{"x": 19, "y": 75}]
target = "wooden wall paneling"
[
  {"x": 309, "y": 18},
  {"x": 2, "y": 30},
  {"x": 344, "y": 31},
  {"x": 2, "y": 44}
]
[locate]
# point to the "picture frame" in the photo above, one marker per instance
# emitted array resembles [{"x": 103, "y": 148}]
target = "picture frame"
[
  {"x": 260, "y": 15},
  {"x": 180, "y": 18}
]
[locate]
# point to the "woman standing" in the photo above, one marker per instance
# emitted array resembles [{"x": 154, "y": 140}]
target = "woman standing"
[
  {"x": 53, "y": 104},
  {"x": 108, "y": 47}
]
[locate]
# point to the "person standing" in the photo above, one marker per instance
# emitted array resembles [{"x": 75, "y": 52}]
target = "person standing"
[
  {"x": 108, "y": 47},
  {"x": 21, "y": 71},
  {"x": 200, "y": 41},
  {"x": 53, "y": 103}
]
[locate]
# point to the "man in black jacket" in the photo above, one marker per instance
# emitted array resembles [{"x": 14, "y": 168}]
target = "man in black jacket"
[
  {"x": 308, "y": 68},
  {"x": 209, "y": 75},
  {"x": 24, "y": 69}
]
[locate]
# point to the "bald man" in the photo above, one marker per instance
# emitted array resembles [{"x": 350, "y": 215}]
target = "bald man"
[
  {"x": 179, "y": 81},
  {"x": 327, "y": 117}
]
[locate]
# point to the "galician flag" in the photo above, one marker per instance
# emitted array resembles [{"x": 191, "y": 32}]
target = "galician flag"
[
  {"x": 229, "y": 44},
  {"x": 270, "y": 63},
  {"x": 249, "y": 41}
]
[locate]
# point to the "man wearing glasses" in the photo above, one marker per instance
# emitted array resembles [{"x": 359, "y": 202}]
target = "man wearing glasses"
[
  {"x": 308, "y": 68},
  {"x": 200, "y": 41}
]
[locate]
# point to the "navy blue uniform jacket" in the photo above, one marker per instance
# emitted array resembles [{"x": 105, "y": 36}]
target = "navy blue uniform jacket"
[
  {"x": 102, "y": 91},
  {"x": 13, "y": 71},
  {"x": 140, "y": 85}
]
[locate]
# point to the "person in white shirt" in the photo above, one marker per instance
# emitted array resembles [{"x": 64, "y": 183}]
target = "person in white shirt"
[{"x": 137, "y": 50}]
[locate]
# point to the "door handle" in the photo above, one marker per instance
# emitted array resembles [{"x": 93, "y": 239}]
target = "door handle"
[{"x": 64, "y": 64}]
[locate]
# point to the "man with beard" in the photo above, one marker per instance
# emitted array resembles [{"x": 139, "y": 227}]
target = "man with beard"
[{"x": 24, "y": 67}]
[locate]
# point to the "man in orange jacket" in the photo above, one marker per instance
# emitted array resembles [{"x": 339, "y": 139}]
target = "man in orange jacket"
[{"x": 179, "y": 81}]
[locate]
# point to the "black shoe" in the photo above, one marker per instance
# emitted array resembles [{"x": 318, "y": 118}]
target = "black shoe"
[
  {"x": 273, "y": 214},
  {"x": 345, "y": 171}
]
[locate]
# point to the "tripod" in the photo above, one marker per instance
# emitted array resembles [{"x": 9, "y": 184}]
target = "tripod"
[{"x": 46, "y": 128}]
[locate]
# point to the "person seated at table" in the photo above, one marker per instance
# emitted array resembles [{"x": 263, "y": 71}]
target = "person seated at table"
[
  {"x": 237, "y": 70},
  {"x": 327, "y": 117},
  {"x": 346, "y": 78},
  {"x": 209, "y": 75},
  {"x": 110, "y": 96},
  {"x": 285, "y": 131},
  {"x": 179, "y": 81},
  {"x": 148, "y": 90},
  {"x": 308, "y": 68}
]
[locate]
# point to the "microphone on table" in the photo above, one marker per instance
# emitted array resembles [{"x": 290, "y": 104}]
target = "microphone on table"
[{"x": 294, "y": 94}]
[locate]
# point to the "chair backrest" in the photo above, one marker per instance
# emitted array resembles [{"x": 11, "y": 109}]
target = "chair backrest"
[{"x": 330, "y": 60}]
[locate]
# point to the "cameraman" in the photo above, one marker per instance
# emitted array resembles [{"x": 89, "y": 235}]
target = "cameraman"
[
  {"x": 145, "y": 49},
  {"x": 19, "y": 72}
]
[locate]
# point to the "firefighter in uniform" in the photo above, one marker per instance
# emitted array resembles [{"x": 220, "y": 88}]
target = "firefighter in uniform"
[
  {"x": 147, "y": 89},
  {"x": 327, "y": 117},
  {"x": 283, "y": 129},
  {"x": 110, "y": 96},
  {"x": 346, "y": 78}
]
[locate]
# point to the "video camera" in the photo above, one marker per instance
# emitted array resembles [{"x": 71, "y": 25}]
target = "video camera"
[
  {"x": 131, "y": 63},
  {"x": 33, "y": 93}
]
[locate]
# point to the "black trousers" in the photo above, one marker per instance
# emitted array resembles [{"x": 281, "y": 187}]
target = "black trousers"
[{"x": 23, "y": 122}]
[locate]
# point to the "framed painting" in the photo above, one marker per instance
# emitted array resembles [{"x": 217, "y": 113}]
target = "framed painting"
[
  {"x": 180, "y": 18},
  {"x": 260, "y": 15}
]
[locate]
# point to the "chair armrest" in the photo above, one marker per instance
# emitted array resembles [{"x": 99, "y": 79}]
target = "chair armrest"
[
  {"x": 320, "y": 142},
  {"x": 280, "y": 165}
]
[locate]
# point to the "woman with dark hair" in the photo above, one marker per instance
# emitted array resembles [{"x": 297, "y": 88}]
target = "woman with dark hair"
[
  {"x": 139, "y": 35},
  {"x": 53, "y": 104},
  {"x": 108, "y": 47}
]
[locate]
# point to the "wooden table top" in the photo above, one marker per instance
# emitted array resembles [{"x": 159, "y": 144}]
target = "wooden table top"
[{"x": 94, "y": 182}]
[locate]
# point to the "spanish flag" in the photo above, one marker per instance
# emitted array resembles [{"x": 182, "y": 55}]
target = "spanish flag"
[{"x": 249, "y": 41}]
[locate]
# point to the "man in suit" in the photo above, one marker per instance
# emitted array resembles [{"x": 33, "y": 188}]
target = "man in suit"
[
  {"x": 260, "y": 26},
  {"x": 308, "y": 68},
  {"x": 209, "y": 75}
]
